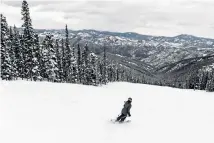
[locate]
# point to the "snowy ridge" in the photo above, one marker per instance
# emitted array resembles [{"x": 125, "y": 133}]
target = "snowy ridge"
[{"x": 54, "y": 113}]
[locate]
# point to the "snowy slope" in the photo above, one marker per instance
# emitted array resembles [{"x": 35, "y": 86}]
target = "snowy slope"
[{"x": 64, "y": 113}]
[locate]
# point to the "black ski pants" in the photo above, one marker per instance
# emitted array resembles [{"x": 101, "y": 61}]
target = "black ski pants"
[{"x": 121, "y": 118}]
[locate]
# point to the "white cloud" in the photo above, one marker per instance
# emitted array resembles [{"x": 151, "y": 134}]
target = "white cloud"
[{"x": 155, "y": 17}]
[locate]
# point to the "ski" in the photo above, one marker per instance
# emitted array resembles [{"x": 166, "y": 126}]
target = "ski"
[{"x": 114, "y": 121}]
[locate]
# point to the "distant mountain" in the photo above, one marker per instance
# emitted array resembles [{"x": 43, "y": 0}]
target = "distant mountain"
[
  {"x": 153, "y": 50},
  {"x": 151, "y": 55}
]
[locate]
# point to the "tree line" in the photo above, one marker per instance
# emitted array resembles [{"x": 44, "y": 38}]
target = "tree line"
[
  {"x": 24, "y": 55},
  {"x": 200, "y": 79}
]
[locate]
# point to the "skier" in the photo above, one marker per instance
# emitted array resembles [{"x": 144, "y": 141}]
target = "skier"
[{"x": 125, "y": 111}]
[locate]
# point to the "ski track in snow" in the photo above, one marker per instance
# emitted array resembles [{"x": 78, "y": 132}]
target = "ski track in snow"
[{"x": 41, "y": 112}]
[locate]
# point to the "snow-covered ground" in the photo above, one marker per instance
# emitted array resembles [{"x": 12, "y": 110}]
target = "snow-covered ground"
[{"x": 44, "y": 112}]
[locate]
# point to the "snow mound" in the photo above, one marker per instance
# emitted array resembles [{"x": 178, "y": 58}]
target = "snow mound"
[{"x": 41, "y": 112}]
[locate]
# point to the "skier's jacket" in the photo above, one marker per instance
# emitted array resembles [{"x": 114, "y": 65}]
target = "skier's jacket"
[{"x": 126, "y": 108}]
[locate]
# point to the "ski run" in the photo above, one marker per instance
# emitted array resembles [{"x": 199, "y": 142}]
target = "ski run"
[{"x": 42, "y": 112}]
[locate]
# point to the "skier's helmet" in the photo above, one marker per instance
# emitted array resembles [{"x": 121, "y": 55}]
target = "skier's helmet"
[{"x": 130, "y": 99}]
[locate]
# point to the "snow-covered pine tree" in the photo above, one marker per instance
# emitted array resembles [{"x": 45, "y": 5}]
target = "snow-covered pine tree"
[
  {"x": 203, "y": 77},
  {"x": 86, "y": 66},
  {"x": 83, "y": 66},
  {"x": 104, "y": 72},
  {"x": 79, "y": 64},
  {"x": 52, "y": 64},
  {"x": 186, "y": 83},
  {"x": 123, "y": 76},
  {"x": 210, "y": 82},
  {"x": 6, "y": 67},
  {"x": 68, "y": 56},
  {"x": 36, "y": 61},
  {"x": 193, "y": 80},
  {"x": 92, "y": 70},
  {"x": 99, "y": 71},
  {"x": 74, "y": 73},
  {"x": 63, "y": 60},
  {"x": 28, "y": 40},
  {"x": 59, "y": 61},
  {"x": 118, "y": 75},
  {"x": 18, "y": 52},
  {"x": 11, "y": 50},
  {"x": 111, "y": 72},
  {"x": 45, "y": 58},
  {"x": 115, "y": 72},
  {"x": 49, "y": 68}
]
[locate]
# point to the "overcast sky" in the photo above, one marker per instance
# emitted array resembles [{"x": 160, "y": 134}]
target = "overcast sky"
[{"x": 153, "y": 17}]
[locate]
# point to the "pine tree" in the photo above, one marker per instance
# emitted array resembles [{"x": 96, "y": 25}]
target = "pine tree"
[
  {"x": 6, "y": 65},
  {"x": 79, "y": 64},
  {"x": 36, "y": 61},
  {"x": 93, "y": 69},
  {"x": 44, "y": 60},
  {"x": 104, "y": 72},
  {"x": 18, "y": 52},
  {"x": 90, "y": 69},
  {"x": 28, "y": 40},
  {"x": 63, "y": 61},
  {"x": 85, "y": 65},
  {"x": 118, "y": 75},
  {"x": 74, "y": 67},
  {"x": 11, "y": 51},
  {"x": 70, "y": 61},
  {"x": 210, "y": 82},
  {"x": 68, "y": 56},
  {"x": 203, "y": 75},
  {"x": 59, "y": 61},
  {"x": 99, "y": 72},
  {"x": 49, "y": 67},
  {"x": 115, "y": 72},
  {"x": 22, "y": 51},
  {"x": 112, "y": 72},
  {"x": 74, "y": 75},
  {"x": 52, "y": 70},
  {"x": 187, "y": 82}
]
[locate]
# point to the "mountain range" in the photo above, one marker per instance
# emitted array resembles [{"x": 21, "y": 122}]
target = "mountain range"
[{"x": 154, "y": 56}]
